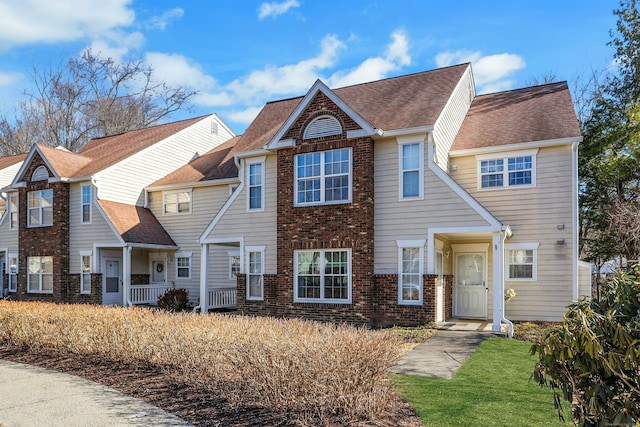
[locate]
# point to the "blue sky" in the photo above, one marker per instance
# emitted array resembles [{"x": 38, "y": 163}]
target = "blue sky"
[{"x": 241, "y": 54}]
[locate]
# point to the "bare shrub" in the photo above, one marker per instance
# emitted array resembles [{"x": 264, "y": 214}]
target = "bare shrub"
[
  {"x": 287, "y": 365},
  {"x": 176, "y": 299}
]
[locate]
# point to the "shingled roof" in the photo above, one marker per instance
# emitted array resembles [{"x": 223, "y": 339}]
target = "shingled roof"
[
  {"x": 535, "y": 113},
  {"x": 5, "y": 162},
  {"x": 136, "y": 224}
]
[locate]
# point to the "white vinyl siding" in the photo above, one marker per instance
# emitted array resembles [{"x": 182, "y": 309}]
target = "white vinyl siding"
[
  {"x": 125, "y": 181},
  {"x": 40, "y": 274},
  {"x": 535, "y": 214},
  {"x": 40, "y": 208},
  {"x": 86, "y": 201},
  {"x": 323, "y": 177}
]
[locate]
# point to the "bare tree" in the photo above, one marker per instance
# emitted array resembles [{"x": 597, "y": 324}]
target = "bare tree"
[{"x": 89, "y": 97}]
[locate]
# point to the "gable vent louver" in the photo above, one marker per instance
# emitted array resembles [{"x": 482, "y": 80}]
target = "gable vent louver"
[
  {"x": 322, "y": 126},
  {"x": 40, "y": 174}
]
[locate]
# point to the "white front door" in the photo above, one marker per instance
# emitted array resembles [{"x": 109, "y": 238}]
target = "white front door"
[
  {"x": 440, "y": 288},
  {"x": 471, "y": 285},
  {"x": 112, "y": 282},
  {"x": 158, "y": 272}
]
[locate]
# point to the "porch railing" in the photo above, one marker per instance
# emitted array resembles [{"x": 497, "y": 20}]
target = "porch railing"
[
  {"x": 223, "y": 298},
  {"x": 147, "y": 294}
]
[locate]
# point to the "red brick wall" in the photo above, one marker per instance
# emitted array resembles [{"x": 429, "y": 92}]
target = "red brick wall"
[
  {"x": 74, "y": 295},
  {"x": 389, "y": 312}
]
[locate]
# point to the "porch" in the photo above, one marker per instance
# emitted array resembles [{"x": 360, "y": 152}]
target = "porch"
[{"x": 217, "y": 297}]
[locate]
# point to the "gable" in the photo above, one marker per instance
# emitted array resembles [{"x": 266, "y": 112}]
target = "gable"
[{"x": 35, "y": 164}]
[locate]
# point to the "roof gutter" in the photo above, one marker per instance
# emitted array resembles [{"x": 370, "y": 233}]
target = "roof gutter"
[
  {"x": 194, "y": 184},
  {"x": 404, "y": 131}
]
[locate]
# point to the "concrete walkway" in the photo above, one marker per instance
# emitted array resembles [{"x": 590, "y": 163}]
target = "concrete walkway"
[
  {"x": 33, "y": 396},
  {"x": 441, "y": 355}
]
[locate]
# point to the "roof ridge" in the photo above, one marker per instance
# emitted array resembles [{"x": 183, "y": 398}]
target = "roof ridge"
[{"x": 562, "y": 82}]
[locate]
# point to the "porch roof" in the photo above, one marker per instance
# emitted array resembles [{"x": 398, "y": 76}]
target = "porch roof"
[{"x": 136, "y": 224}]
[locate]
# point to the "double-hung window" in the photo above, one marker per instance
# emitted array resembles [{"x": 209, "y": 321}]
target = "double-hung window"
[
  {"x": 13, "y": 272},
  {"x": 323, "y": 276},
  {"x": 40, "y": 207},
  {"x": 323, "y": 177},
  {"x": 411, "y": 170},
  {"x": 13, "y": 211},
  {"x": 85, "y": 204},
  {"x": 508, "y": 170},
  {"x": 255, "y": 272},
  {"x": 234, "y": 264},
  {"x": 256, "y": 186},
  {"x": 521, "y": 261},
  {"x": 40, "y": 274},
  {"x": 176, "y": 202},
  {"x": 85, "y": 272},
  {"x": 410, "y": 271},
  {"x": 183, "y": 266}
]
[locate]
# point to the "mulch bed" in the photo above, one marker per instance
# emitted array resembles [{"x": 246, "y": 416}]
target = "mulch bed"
[{"x": 186, "y": 401}]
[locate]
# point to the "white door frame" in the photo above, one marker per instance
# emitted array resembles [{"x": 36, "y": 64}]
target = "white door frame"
[
  {"x": 481, "y": 292},
  {"x": 155, "y": 257},
  {"x": 104, "y": 279}
]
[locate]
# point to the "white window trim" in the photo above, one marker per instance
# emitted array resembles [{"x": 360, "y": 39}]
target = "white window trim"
[
  {"x": 406, "y": 244},
  {"x": 322, "y": 300},
  {"x": 166, "y": 193},
  {"x": 248, "y": 251},
  {"x": 189, "y": 256},
  {"x": 525, "y": 246},
  {"x": 322, "y": 180},
  {"x": 232, "y": 254},
  {"x": 82, "y": 255},
  {"x": 256, "y": 161},
  {"x": 83, "y": 204},
  {"x": 10, "y": 273},
  {"x": 40, "y": 275},
  {"x": 504, "y": 156},
  {"x": 401, "y": 143},
  {"x": 10, "y": 206},
  {"x": 39, "y": 208}
]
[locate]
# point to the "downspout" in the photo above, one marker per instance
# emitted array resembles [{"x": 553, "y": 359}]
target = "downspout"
[
  {"x": 503, "y": 319},
  {"x": 127, "y": 274},
  {"x": 575, "y": 219}
]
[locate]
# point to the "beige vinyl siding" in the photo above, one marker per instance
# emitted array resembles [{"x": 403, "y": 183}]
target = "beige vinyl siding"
[
  {"x": 540, "y": 214},
  {"x": 218, "y": 276},
  {"x": 125, "y": 181},
  {"x": 584, "y": 279},
  {"x": 448, "y": 124},
  {"x": 256, "y": 227},
  {"x": 83, "y": 236},
  {"x": 185, "y": 229},
  {"x": 399, "y": 220}
]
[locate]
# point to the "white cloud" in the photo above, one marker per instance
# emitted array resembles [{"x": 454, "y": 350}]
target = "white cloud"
[
  {"x": 376, "y": 68},
  {"x": 274, "y": 9},
  {"x": 177, "y": 70},
  {"x": 33, "y": 21},
  {"x": 490, "y": 72},
  {"x": 9, "y": 78},
  {"x": 116, "y": 45},
  {"x": 161, "y": 22},
  {"x": 245, "y": 116}
]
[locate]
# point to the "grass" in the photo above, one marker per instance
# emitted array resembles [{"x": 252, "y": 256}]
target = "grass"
[
  {"x": 320, "y": 370},
  {"x": 492, "y": 388}
]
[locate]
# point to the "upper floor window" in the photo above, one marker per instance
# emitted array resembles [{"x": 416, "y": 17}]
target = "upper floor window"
[
  {"x": 256, "y": 186},
  {"x": 40, "y": 207},
  {"x": 85, "y": 204},
  {"x": 513, "y": 169},
  {"x": 40, "y": 174},
  {"x": 13, "y": 211},
  {"x": 322, "y": 126},
  {"x": 322, "y": 276},
  {"x": 177, "y": 202},
  {"x": 323, "y": 177},
  {"x": 411, "y": 170}
]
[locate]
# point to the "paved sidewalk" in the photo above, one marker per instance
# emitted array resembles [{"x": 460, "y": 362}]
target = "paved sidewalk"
[
  {"x": 441, "y": 355},
  {"x": 33, "y": 396}
]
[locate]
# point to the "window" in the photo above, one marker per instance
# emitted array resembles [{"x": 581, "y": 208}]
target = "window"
[
  {"x": 521, "y": 261},
  {"x": 40, "y": 206},
  {"x": 183, "y": 266},
  {"x": 410, "y": 270},
  {"x": 411, "y": 173},
  {"x": 513, "y": 169},
  {"x": 40, "y": 274},
  {"x": 86, "y": 204},
  {"x": 255, "y": 273},
  {"x": 178, "y": 202},
  {"x": 323, "y": 276},
  {"x": 323, "y": 177},
  {"x": 256, "y": 180},
  {"x": 13, "y": 211},
  {"x": 85, "y": 273},
  {"x": 234, "y": 265},
  {"x": 13, "y": 272}
]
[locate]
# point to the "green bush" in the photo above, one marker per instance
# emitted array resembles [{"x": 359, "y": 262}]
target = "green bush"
[
  {"x": 592, "y": 359},
  {"x": 175, "y": 300}
]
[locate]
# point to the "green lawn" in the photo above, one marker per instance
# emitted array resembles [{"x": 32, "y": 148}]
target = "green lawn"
[{"x": 492, "y": 388}]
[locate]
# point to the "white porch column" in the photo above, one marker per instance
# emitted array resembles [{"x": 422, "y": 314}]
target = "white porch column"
[
  {"x": 126, "y": 276},
  {"x": 204, "y": 270},
  {"x": 498, "y": 281}
]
